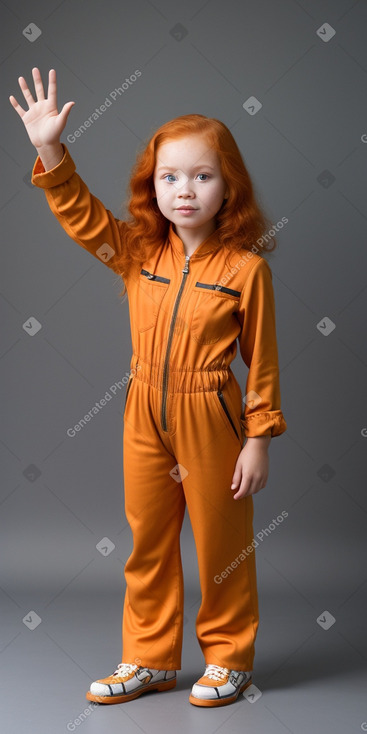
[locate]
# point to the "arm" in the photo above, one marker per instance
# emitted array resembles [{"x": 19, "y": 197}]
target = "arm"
[
  {"x": 263, "y": 417},
  {"x": 50, "y": 155},
  {"x": 82, "y": 215},
  {"x": 259, "y": 351}
]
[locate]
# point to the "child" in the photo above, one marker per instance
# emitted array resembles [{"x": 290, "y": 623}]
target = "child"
[{"x": 195, "y": 283}]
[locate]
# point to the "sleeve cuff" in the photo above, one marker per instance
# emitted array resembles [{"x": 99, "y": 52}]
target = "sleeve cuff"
[
  {"x": 271, "y": 423},
  {"x": 55, "y": 176}
]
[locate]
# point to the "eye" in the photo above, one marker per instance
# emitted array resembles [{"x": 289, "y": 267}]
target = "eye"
[
  {"x": 171, "y": 175},
  {"x": 168, "y": 174}
]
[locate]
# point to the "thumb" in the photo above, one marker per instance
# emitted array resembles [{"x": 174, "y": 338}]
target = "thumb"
[{"x": 66, "y": 109}]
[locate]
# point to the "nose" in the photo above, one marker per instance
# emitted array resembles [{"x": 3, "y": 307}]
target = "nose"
[
  {"x": 184, "y": 187},
  {"x": 185, "y": 195}
]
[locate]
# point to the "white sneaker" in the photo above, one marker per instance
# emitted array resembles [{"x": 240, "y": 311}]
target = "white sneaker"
[
  {"x": 128, "y": 682},
  {"x": 219, "y": 686}
]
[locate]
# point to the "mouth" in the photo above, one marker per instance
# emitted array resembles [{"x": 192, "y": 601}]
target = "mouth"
[{"x": 186, "y": 208}]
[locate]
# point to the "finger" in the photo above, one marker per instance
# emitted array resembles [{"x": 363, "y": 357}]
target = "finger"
[
  {"x": 16, "y": 106},
  {"x": 66, "y": 109},
  {"x": 27, "y": 94},
  {"x": 38, "y": 83},
  {"x": 241, "y": 490},
  {"x": 52, "y": 88}
]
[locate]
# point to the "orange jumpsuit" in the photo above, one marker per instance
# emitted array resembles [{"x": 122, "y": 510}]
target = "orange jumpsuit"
[{"x": 184, "y": 426}]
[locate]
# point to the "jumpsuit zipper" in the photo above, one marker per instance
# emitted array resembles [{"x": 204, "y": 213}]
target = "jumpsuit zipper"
[
  {"x": 224, "y": 405},
  {"x": 169, "y": 344}
]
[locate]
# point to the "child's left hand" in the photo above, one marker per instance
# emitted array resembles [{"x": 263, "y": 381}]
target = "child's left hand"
[{"x": 252, "y": 467}]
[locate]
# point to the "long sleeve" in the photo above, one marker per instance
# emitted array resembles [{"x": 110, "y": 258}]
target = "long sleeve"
[
  {"x": 258, "y": 346},
  {"x": 84, "y": 218}
]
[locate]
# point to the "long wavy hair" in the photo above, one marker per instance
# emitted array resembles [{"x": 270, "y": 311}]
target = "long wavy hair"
[{"x": 241, "y": 222}]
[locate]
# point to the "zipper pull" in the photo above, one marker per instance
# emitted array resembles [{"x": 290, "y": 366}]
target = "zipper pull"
[{"x": 186, "y": 268}]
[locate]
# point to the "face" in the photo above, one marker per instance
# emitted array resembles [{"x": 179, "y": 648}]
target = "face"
[{"x": 187, "y": 174}]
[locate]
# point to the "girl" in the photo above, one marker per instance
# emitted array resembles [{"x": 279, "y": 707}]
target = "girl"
[{"x": 195, "y": 282}]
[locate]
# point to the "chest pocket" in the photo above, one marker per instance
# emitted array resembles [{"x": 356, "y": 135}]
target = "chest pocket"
[
  {"x": 213, "y": 306},
  {"x": 151, "y": 292}
]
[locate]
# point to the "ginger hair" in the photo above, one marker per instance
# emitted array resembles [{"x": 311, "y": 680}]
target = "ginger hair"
[{"x": 240, "y": 220}]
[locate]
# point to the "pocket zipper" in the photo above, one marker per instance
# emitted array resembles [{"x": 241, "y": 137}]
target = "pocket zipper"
[
  {"x": 127, "y": 390},
  {"x": 152, "y": 276},
  {"x": 224, "y": 406},
  {"x": 218, "y": 287}
]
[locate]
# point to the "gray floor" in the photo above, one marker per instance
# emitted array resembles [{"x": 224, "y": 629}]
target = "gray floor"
[{"x": 309, "y": 678}]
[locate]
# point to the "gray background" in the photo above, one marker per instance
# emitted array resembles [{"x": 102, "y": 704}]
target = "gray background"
[{"x": 61, "y": 496}]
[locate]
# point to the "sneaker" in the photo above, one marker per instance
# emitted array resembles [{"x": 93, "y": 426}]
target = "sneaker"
[
  {"x": 219, "y": 686},
  {"x": 128, "y": 682}
]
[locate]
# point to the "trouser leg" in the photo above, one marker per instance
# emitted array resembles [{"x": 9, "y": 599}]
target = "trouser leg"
[
  {"x": 206, "y": 445},
  {"x": 152, "y": 625}
]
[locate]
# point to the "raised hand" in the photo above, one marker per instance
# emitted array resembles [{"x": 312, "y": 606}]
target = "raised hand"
[{"x": 44, "y": 124}]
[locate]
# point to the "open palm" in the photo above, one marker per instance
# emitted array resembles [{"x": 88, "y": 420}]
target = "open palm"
[{"x": 44, "y": 124}]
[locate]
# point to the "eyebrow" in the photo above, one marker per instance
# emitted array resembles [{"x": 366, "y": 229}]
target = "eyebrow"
[{"x": 200, "y": 165}]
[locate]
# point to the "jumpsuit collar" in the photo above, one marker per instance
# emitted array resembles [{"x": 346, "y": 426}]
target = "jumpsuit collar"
[{"x": 208, "y": 245}]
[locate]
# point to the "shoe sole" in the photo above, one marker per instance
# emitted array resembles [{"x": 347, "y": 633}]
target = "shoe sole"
[
  {"x": 159, "y": 686},
  {"x": 219, "y": 701}
]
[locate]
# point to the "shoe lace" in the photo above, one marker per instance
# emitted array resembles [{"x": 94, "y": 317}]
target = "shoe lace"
[
  {"x": 125, "y": 669},
  {"x": 215, "y": 672}
]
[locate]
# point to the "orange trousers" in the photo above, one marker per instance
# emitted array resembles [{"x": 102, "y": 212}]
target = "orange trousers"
[{"x": 191, "y": 463}]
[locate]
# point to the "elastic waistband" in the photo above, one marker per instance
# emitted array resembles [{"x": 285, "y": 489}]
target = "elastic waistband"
[{"x": 178, "y": 379}]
